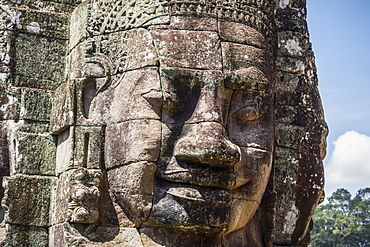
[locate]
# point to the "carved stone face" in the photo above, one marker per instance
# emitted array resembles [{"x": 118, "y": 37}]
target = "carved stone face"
[{"x": 189, "y": 122}]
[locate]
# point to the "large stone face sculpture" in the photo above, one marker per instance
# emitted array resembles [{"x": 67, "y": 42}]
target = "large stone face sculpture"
[{"x": 178, "y": 123}]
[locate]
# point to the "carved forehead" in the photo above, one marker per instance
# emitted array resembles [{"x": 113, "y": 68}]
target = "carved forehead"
[{"x": 111, "y": 16}]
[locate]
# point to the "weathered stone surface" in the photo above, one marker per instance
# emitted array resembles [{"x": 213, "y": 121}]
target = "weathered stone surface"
[
  {"x": 178, "y": 123},
  {"x": 240, "y": 33},
  {"x": 35, "y": 105},
  {"x": 169, "y": 237},
  {"x": 39, "y": 58},
  {"x": 194, "y": 49},
  {"x": 133, "y": 186},
  {"x": 65, "y": 151},
  {"x": 36, "y": 154},
  {"x": 26, "y": 236},
  {"x": 115, "y": 53},
  {"x": 65, "y": 235},
  {"x": 19, "y": 192},
  {"x": 63, "y": 112},
  {"x": 9, "y": 104},
  {"x": 176, "y": 205},
  {"x": 43, "y": 23},
  {"x": 300, "y": 129},
  {"x": 84, "y": 196},
  {"x": 4, "y": 151},
  {"x": 193, "y": 96},
  {"x": 193, "y": 23},
  {"x": 241, "y": 59},
  {"x": 88, "y": 150},
  {"x": 132, "y": 141},
  {"x": 59, "y": 201}
]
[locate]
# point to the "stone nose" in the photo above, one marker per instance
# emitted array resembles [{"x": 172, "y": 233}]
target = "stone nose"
[{"x": 206, "y": 144}]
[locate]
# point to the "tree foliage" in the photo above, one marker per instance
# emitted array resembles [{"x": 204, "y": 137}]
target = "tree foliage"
[{"x": 343, "y": 221}]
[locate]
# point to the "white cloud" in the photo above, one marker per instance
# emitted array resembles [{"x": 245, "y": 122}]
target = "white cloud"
[{"x": 349, "y": 165}]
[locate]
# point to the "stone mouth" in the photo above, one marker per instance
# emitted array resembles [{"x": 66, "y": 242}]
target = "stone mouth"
[
  {"x": 206, "y": 178},
  {"x": 199, "y": 194}
]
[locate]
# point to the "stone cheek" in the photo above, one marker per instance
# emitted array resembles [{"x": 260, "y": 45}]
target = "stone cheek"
[
  {"x": 133, "y": 187},
  {"x": 132, "y": 141}
]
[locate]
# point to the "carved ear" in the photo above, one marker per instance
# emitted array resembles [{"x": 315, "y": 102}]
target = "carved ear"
[{"x": 98, "y": 66}]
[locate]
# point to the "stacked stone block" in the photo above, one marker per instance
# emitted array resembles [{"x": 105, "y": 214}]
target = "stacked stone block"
[
  {"x": 300, "y": 127},
  {"x": 33, "y": 38}
]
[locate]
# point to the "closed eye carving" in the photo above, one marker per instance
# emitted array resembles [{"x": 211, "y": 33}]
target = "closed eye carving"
[
  {"x": 248, "y": 113},
  {"x": 247, "y": 106}
]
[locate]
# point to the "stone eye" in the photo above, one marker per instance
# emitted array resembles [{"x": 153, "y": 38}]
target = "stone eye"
[
  {"x": 247, "y": 113},
  {"x": 247, "y": 106}
]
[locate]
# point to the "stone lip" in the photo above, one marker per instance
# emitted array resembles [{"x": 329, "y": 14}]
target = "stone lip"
[
  {"x": 199, "y": 194},
  {"x": 199, "y": 177}
]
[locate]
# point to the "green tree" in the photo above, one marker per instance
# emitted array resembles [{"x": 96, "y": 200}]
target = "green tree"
[{"x": 343, "y": 221}]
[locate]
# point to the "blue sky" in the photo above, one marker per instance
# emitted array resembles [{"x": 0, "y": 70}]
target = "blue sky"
[{"x": 340, "y": 34}]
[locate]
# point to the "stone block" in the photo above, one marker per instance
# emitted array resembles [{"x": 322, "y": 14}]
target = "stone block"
[
  {"x": 291, "y": 19},
  {"x": 136, "y": 95},
  {"x": 65, "y": 235},
  {"x": 63, "y": 107},
  {"x": 241, "y": 33},
  {"x": 251, "y": 125},
  {"x": 116, "y": 53},
  {"x": 129, "y": 50},
  {"x": 64, "y": 150},
  {"x": 291, "y": 43},
  {"x": 5, "y": 153},
  {"x": 30, "y": 82},
  {"x": 59, "y": 200},
  {"x": 39, "y": 58},
  {"x": 26, "y": 236},
  {"x": 35, "y": 105},
  {"x": 178, "y": 205},
  {"x": 287, "y": 163},
  {"x": 9, "y": 104},
  {"x": 54, "y": 7},
  {"x": 193, "y": 23},
  {"x": 43, "y": 23},
  {"x": 161, "y": 237},
  {"x": 292, "y": 64},
  {"x": 245, "y": 59},
  {"x": 132, "y": 141},
  {"x": 310, "y": 171},
  {"x": 36, "y": 154},
  {"x": 20, "y": 191},
  {"x": 193, "y": 49},
  {"x": 33, "y": 127},
  {"x": 79, "y": 146},
  {"x": 290, "y": 136},
  {"x": 295, "y": 206},
  {"x": 78, "y": 23},
  {"x": 56, "y": 235},
  {"x": 294, "y": 115},
  {"x": 88, "y": 147},
  {"x": 287, "y": 213}
]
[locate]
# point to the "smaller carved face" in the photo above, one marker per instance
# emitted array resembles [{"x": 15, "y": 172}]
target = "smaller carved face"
[{"x": 84, "y": 196}]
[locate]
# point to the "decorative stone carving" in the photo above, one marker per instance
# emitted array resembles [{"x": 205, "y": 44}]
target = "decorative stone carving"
[
  {"x": 84, "y": 196},
  {"x": 177, "y": 123}
]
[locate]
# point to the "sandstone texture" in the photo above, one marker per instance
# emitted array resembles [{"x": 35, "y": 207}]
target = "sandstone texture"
[{"x": 158, "y": 123}]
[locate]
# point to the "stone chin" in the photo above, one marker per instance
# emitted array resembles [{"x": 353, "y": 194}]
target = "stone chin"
[{"x": 224, "y": 206}]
